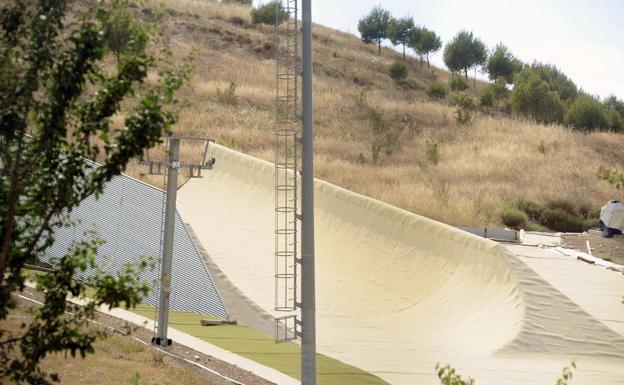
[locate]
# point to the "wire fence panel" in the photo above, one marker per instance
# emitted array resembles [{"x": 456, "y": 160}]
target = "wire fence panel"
[{"x": 127, "y": 216}]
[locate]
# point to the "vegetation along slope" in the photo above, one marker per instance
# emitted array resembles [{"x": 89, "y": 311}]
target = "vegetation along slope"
[{"x": 463, "y": 152}]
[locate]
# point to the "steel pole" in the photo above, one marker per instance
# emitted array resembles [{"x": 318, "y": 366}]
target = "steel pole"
[
  {"x": 308, "y": 304},
  {"x": 167, "y": 260}
]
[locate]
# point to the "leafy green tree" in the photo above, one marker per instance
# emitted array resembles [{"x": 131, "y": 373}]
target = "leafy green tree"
[
  {"x": 56, "y": 102},
  {"x": 399, "y": 31},
  {"x": 413, "y": 39},
  {"x": 270, "y": 13},
  {"x": 532, "y": 96},
  {"x": 374, "y": 26},
  {"x": 428, "y": 43},
  {"x": 463, "y": 52},
  {"x": 586, "y": 113},
  {"x": 615, "y": 113},
  {"x": 122, "y": 33},
  {"x": 502, "y": 64},
  {"x": 556, "y": 80}
]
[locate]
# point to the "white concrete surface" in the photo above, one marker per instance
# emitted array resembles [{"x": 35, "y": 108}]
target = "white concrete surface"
[{"x": 398, "y": 293}]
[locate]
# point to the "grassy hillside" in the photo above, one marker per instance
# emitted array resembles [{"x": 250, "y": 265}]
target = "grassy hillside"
[{"x": 462, "y": 175}]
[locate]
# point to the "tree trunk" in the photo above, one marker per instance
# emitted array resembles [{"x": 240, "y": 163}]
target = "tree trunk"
[
  {"x": 474, "y": 84},
  {"x": 404, "y": 51},
  {"x": 428, "y": 66},
  {"x": 466, "y": 73},
  {"x": 379, "y": 45}
]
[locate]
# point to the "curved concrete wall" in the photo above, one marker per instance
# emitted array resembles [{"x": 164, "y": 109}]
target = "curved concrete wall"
[{"x": 395, "y": 291}]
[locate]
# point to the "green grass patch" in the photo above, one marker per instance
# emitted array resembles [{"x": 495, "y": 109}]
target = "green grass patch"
[
  {"x": 261, "y": 348},
  {"x": 256, "y": 346}
]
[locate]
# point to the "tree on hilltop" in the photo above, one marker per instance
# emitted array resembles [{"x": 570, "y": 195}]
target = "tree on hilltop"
[
  {"x": 399, "y": 31},
  {"x": 463, "y": 52},
  {"x": 270, "y": 13},
  {"x": 428, "y": 43},
  {"x": 413, "y": 39},
  {"x": 532, "y": 96},
  {"x": 374, "y": 26},
  {"x": 502, "y": 64}
]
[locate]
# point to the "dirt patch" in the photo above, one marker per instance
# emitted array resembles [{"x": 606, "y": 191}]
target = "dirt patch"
[{"x": 609, "y": 249}]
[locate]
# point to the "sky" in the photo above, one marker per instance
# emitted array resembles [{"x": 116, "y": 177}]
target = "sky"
[{"x": 584, "y": 38}]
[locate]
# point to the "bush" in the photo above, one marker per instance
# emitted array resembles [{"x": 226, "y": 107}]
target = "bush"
[
  {"x": 398, "y": 70},
  {"x": 228, "y": 95},
  {"x": 432, "y": 153},
  {"x": 410, "y": 84},
  {"x": 514, "y": 218},
  {"x": 238, "y": 21},
  {"x": 586, "y": 113},
  {"x": 267, "y": 13},
  {"x": 558, "y": 215},
  {"x": 533, "y": 97},
  {"x": 437, "y": 91},
  {"x": 465, "y": 104},
  {"x": 561, "y": 220},
  {"x": 122, "y": 33},
  {"x": 487, "y": 99},
  {"x": 457, "y": 83},
  {"x": 241, "y": 2}
]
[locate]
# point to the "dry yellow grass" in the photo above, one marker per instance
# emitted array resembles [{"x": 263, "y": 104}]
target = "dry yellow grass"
[
  {"x": 116, "y": 360},
  {"x": 480, "y": 168}
]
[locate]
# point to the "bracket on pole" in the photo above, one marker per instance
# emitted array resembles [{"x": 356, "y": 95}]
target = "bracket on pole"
[
  {"x": 287, "y": 328},
  {"x": 158, "y": 165}
]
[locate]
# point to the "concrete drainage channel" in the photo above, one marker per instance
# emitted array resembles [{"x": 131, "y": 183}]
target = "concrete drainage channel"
[{"x": 503, "y": 235}]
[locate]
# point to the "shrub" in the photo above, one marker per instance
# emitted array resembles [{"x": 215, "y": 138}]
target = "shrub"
[
  {"x": 410, "y": 84},
  {"x": 238, "y": 21},
  {"x": 437, "y": 91},
  {"x": 465, "y": 104},
  {"x": 558, "y": 215},
  {"x": 448, "y": 376},
  {"x": 432, "y": 153},
  {"x": 561, "y": 220},
  {"x": 586, "y": 113},
  {"x": 500, "y": 90},
  {"x": 241, "y": 2},
  {"x": 514, "y": 218},
  {"x": 268, "y": 13},
  {"x": 398, "y": 70},
  {"x": 564, "y": 204},
  {"x": 228, "y": 95},
  {"x": 487, "y": 99},
  {"x": 457, "y": 83},
  {"x": 122, "y": 33}
]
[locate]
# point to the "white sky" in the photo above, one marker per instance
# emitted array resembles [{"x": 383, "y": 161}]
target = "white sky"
[{"x": 583, "y": 38}]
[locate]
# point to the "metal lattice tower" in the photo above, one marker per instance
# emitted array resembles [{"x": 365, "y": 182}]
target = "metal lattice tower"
[{"x": 287, "y": 127}]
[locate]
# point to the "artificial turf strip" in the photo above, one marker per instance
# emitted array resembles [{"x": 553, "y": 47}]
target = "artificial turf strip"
[{"x": 261, "y": 348}]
